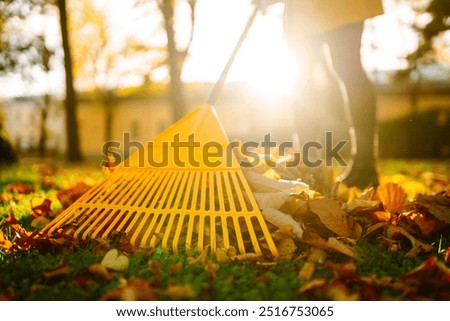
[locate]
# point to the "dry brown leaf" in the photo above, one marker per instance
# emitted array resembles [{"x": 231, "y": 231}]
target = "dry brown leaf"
[
  {"x": 344, "y": 271},
  {"x": 40, "y": 206},
  {"x": 70, "y": 195},
  {"x": 20, "y": 188},
  {"x": 177, "y": 292},
  {"x": 283, "y": 232},
  {"x": 307, "y": 271},
  {"x": 382, "y": 216},
  {"x": 211, "y": 268},
  {"x": 331, "y": 215},
  {"x": 425, "y": 225},
  {"x": 101, "y": 271},
  {"x": 222, "y": 256},
  {"x": 201, "y": 259},
  {"x": 371, "y": 229},
  {"x": 392, "y": 196},
  {"x": 60, "y": 270},
  {"x": 437, "y": 205},
  {"x": 133, "y": 290},
  {"x": 281, "y": 219},
  {"x": 432, "y": 279},
  {"x": 311, "y": 285},
  {"x": 317, "y": 255},
  {"x": 332, "y": 244},
  {"x": 295, "y": 206},
  {"x": 286, "y": 248},
  {"x": 418, "y": 247}
]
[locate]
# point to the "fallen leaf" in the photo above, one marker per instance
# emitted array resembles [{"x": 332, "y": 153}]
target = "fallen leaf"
[
  {"x": 115, "y": 261},
  {"x": 392, "y": 196},
  {"x": 283, "y": 232},
  {"x": 101, "y": 271},
  {"x": 281, "y": 219},
  {"x": 344, "y": 271},
  {"x": 418, "y": 247},
  {"x": 271, "y": 200},
  {"x": 20, "y": 188},
  {"x": 211, "y": 268},
  {"x": 286, "y": 248},
  {"x": 201, "y": 259},
  {"x": 177, "y": 292},
  {"x": 40, "y": 206},
  {"x": 331, "y": 215},
  {"x": 132, "y": 290},
  {"x": 331, "y": 244},
  {"x": 61, "y": 270},
  {"x": 70, "y": 195},
  {"x": 307, "y": 271},
  {"x": 424, "y": 225},
  {"x": 317, "y": 255},
  {"x": 432, "y": 279},
  {"x": 4, "y": 242},
  {"x": 437, "y": 205}
]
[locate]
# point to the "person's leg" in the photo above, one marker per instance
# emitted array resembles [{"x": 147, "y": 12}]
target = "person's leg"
[
  {"x": 305, "y": 97},
  {"x": 345, "y": 45}
]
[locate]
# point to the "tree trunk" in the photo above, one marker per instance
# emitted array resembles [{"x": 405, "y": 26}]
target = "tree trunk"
[
  {"x": 177, "y": 98},
  {"x": 42, "y": 147},
  {"x": 73, "y": 145}
]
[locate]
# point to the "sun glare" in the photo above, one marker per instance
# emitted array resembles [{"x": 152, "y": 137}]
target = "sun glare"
[{"x": 263, "y": 62}]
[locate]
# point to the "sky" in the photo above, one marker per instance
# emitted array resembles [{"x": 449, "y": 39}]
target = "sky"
[{"x": 263, "y": 61}]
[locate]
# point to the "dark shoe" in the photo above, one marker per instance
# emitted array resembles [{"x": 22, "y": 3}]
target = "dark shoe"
[{"x": 361, "y": 177}]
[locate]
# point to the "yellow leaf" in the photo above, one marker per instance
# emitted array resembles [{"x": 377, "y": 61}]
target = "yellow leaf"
[{"x": 177, "y": 292}]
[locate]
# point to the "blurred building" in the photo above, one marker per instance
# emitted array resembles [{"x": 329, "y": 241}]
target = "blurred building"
[{"x": 414, "y": 120}]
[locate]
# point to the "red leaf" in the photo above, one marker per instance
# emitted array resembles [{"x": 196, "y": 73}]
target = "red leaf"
[{"x": 20, "y": 188}]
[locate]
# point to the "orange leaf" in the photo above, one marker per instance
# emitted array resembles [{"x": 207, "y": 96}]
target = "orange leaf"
[
  {"x": 331, "y": 215},
  {"x": 4, "y": 242},
  {"x": 70, "y": 195},
  {"x": 40, "y": 206},
  {"x": 392, "y": 196}
]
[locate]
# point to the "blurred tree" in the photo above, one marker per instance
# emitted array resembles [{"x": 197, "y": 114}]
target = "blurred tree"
[
  {"x": 434, "y": 34},
  {"x": 73, "y": 144},
  {"x": 102, "y": 58},
  {"x": 175, "y": 56},
  {"x": 19, "y": 52}
]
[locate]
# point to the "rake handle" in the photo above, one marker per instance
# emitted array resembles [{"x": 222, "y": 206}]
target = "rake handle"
[{"x": 218, "y": 86}]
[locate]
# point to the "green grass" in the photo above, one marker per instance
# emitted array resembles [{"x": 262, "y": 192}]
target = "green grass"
[{"x": 22, "y": 273}]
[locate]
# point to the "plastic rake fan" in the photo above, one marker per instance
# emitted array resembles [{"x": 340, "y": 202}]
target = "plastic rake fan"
[{"x": 184, "y": 187}]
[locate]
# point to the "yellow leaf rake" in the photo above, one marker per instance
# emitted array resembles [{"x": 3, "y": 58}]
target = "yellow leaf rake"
[{"x": 194, "y": 194}]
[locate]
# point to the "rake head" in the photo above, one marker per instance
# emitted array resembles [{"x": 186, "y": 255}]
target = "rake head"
[{"x": 184, "y": 188}]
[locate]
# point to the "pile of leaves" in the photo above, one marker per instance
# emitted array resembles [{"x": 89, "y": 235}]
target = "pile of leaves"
[{"x": 339, "y": 243}]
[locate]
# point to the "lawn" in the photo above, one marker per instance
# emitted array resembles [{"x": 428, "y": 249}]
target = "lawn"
[{"x": 397, "y": 247}]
